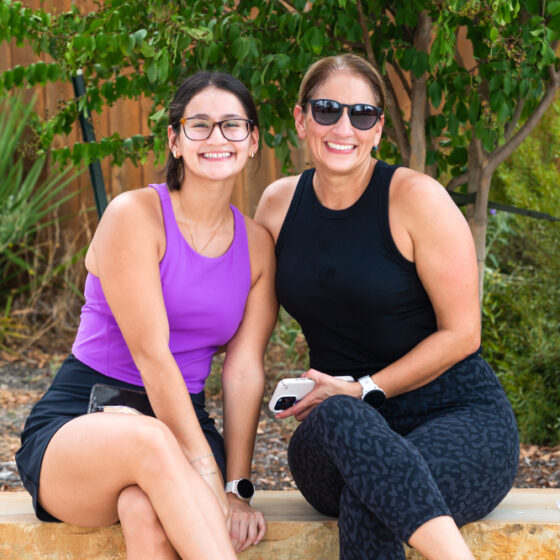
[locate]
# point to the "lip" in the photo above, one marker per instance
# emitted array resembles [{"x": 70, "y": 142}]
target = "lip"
[
  {"x": 339, "y": 147},
  {"x": 217, "y": 156}
]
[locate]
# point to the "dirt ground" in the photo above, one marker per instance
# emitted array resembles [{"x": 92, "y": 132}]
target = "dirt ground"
[{"x": 23, "y": 381}]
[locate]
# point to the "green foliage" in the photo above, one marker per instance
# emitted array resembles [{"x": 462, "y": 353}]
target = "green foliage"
[
  {"x": 126, "y": 52},
  {"x": 24, "y": 201},
  {"x": 521, "y": 312},
  {"x": 289, "y": 343},
  {"x": 25, "y": 205}
]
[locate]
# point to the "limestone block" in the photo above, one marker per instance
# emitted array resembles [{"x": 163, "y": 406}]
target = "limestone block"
[{"x": 526, "y": 526}]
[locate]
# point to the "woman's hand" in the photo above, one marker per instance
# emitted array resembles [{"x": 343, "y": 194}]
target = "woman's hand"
[
  {"x": 246, "y": 525},
  {"x": 325, "y": 386}
]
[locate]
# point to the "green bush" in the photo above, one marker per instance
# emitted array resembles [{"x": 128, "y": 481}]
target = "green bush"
[
  {"x": 521, "y": 307},
  {"x": 28, "y": 206}
]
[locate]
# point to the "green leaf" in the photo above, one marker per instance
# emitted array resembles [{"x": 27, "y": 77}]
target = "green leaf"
[
  {"x": 157, "y": 116},
  {"x": 41, "y": 71},
  {"x": 420, "y": 64},
  {"x": 126, "y": 43},
  {"x": 459, "y": 156},
  {"x": 19, "y": 73},
  {"x": 139, "y": 36},
  {"x": 434, "y": 91},
  {"x": 553, "y": 8},
  {"x": 53, "y": 72},
  {"x": 151, "y": 70},
  {"x": 147, "y": 50},
  {"x": 240, "y": 48},
  {"x": 503, "y": 112},
  {"x": 494, "y": 34},
  {"x": 163, "y": 67},
  {"x": 314, "y": 39}
]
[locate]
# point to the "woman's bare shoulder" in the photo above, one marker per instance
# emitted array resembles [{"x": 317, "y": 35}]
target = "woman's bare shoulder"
[{"x": 274, "y": 203}]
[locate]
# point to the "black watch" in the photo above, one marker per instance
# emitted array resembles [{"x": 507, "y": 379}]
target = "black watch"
[
  {"x": 242, "y": 487},
  {"x": 372, "y": 393}
]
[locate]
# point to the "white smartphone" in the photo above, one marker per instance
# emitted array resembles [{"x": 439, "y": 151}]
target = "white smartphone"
[{"x": 292, "y": 389}]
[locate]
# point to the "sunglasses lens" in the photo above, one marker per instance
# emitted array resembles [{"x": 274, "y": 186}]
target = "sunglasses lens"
[
  {"x": 363, "y": 117},
  {"x": 325, "y": 111}
]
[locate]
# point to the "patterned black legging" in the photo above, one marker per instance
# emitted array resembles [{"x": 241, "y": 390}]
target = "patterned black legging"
[{"x": 449, "y": 448}]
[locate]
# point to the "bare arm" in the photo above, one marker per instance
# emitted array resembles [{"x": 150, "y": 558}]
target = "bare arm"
[
  {"x": 430, "y": 230},
  {"x": 125, "y": 255},
  {"x": 243, "y": 381}
]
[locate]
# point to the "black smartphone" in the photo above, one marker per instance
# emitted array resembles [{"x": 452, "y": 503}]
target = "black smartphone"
[{"x": 109, "y": 398}]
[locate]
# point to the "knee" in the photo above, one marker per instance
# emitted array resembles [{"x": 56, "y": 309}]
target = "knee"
[
  {"x": 139, "y": 521},
  {"x": 135, "y": 509},
  {"x": 155, "y": 447},
  {"x": 336, "y": 409}
]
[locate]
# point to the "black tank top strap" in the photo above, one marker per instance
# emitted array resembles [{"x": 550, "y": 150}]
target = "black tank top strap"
[{"x": 306, "y": 178}]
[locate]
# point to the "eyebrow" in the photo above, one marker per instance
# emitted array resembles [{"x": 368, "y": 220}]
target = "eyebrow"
[{"x": 206, "y": 116}]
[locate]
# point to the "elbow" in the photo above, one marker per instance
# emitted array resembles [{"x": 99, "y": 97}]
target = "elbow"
[{"x": 470, "y": 341}]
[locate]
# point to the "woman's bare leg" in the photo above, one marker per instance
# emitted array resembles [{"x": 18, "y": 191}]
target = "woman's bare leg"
[
  {"x": 440, "y": 539},
  {"x": 93, "y": 458},
  {"x": 144, "y": 535}
]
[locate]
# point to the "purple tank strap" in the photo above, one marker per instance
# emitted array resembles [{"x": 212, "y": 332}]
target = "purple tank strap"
[{"x": 166, "y": 207}]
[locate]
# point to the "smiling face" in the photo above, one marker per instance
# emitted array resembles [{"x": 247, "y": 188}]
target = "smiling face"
[
  {"x": 214, "y": 158},
  {"x": 340, "y": 148}
]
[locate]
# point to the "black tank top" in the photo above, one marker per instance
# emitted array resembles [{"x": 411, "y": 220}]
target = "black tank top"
[{"x": 359, "y": 302}]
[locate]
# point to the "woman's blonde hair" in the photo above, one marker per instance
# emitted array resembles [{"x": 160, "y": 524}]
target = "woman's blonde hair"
[{"x": 323, "y": 68}]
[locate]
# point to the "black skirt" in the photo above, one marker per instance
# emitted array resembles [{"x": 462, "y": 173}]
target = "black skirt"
[{"x": 66, "y": 399}]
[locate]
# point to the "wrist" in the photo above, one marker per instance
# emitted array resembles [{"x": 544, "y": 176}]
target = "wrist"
[
  {"x": 242, "y": 488},
  {"x": 372, "y": 393}
]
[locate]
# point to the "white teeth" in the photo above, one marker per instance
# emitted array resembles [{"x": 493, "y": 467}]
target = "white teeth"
[
  {"x": 217, "y": 155},
  {"x": 343, "y": 147}
]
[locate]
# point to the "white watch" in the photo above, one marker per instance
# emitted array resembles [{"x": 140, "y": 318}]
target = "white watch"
[
  {"x": 242, "y": 487},
  {"x": 372, "y": 393}
]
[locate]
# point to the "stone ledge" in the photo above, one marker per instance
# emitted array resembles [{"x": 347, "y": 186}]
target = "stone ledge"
[{"x": 525, "y": 526}]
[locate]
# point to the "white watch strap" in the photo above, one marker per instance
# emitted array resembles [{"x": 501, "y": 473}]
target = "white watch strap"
[{"x": 368, "y": 384}]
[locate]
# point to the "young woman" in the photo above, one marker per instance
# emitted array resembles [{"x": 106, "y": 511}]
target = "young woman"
[
  {"x": 174, "y": 272},
  {"x": 378, "y": 266}
]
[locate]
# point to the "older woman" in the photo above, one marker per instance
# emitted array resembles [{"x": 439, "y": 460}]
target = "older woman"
[
  {"x": 174, "y": 272},
  {"x": 377, "y": 264}
]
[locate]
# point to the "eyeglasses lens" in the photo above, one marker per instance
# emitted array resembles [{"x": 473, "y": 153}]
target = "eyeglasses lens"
[
  {"x": 363, "y": 116},
  {"x": 234, "y": 130},
  {"x": 327, "y": 112}
]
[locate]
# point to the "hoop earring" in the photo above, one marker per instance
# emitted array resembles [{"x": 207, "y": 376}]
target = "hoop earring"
[
  {"x": 175, "y": 154},
  {"x": 252, "y": 154}
]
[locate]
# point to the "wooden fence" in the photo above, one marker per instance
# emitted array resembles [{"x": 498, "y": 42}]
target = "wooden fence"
[{"x": 127, "y": 117}]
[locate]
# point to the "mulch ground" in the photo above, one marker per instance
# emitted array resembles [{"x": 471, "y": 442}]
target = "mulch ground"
[{"x": 22, "y": 382}]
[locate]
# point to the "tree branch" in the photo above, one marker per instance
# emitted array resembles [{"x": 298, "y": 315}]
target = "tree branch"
[
  {"x": 392, "y": 102},
  {"x": 510, "y": 126},
  {"x": 402, "y": 77},
  {"x": 456, "y": 182}
]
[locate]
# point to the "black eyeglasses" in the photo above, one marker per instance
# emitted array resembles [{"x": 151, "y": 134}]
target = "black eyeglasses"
[
  {"x": 234, "y": 130},
  {"x": 361, "y": 115}
]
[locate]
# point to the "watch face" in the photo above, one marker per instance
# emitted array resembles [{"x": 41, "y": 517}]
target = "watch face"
[
  {"x": 375, "y": 398},
  {"x": 245, "y": 488}
]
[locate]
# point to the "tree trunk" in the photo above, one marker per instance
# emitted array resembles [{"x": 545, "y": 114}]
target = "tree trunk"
[
  {"x": 479, "y": 180},
  {"x": 419, "y": 97}
]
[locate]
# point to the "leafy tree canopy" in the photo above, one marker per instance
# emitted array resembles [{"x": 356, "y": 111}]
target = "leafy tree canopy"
[
  {"x": 125, "y": 52},
  {"x": 475, "y": 76}
]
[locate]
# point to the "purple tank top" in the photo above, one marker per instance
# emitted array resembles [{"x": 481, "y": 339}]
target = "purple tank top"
[{"x": 204, "y": 299}]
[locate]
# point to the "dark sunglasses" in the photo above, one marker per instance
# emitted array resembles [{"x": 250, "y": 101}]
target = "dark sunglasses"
[{"x": 361, "y": 115}]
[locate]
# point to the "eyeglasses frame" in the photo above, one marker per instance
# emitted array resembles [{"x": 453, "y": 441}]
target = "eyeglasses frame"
[
  {"x": 313, "y": 102},
  {"x": 250, "y": 128}
]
